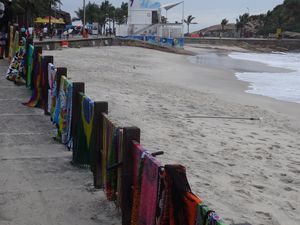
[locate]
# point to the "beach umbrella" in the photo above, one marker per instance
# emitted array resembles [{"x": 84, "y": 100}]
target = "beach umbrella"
[{"x": 46, "y": 20}]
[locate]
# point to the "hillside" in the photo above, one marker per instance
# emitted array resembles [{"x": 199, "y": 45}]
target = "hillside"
[{"x": 285, "y": 16}]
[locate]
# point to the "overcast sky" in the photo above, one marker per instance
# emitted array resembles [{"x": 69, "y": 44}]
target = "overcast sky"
[{"x": 207, "y": 12}]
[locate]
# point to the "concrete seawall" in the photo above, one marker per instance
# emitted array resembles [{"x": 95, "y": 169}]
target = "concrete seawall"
[
  {"x": 248, "y": 43},
  {"x": 106, "y": 41},
  {"x": 255, "y": 43}
]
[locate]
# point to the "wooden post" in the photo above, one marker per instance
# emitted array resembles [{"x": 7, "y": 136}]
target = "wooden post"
[
  {"x": 46, "y": 60},
  {"x": 61, "y": 71},
  {"x": 97, "y": 148},
  {"x": 77, "y": 88},
  {"x": 130, "y": 134}
]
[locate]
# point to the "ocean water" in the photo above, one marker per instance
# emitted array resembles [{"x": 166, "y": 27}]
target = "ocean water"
[{"x": 281, "y": 86}]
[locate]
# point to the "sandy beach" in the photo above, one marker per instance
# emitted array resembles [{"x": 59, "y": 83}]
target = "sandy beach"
[{"x": 245, "y": 170}]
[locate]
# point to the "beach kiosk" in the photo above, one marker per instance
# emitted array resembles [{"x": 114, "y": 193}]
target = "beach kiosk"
[{"x": 145, "y": 23}]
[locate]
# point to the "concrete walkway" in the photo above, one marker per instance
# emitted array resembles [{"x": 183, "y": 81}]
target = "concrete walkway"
[{"x": 38, "y": 185}]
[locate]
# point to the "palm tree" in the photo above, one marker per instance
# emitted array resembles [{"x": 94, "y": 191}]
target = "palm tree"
[
  {"x": 92, "y": 11},
  {"x": 241, "y": 23},
  {"x": 121, "y": 13},
  {"x": 33, "y": 8},
  {"x": 224, "y": 22},
  {"x": 189, "y": 21}
]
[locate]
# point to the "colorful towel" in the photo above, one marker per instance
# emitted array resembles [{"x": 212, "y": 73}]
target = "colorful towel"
[
  {"x": 65, "y": 109},
  {"x": 35, "y": 100},
  {"x": 52, "y": 88},
  {"x": 15, "y": 45},
  {"x": 180, "y": 204},
  {"x": 15, "y": 70},
  {"x": 206, "y": 216},
  {"x": 29, "y": 67},
  {"x": 149, "y": 187},
  {"x": 82, "y": 144},
  {"x": 138, "y": 162}
]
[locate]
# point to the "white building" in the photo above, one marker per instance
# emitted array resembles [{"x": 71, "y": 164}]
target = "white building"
[{"x": 144, "y": 19}]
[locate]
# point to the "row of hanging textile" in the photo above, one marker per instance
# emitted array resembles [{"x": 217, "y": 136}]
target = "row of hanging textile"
[
  {"x": 60, "y": 104},
  {"x": 160, "y": 195}
]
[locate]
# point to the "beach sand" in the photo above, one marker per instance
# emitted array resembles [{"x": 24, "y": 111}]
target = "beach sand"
[{"x": 248, "y": 172}]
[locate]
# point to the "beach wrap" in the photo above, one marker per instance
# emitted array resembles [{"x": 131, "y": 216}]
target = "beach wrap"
[{"x": 149, "y": 187}]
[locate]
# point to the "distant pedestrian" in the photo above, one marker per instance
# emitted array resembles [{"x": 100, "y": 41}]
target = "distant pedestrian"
[
  {"x": 45, "y": 31},
  {"x": 4, "y": 23},
  {"x": 30, "y": 32}
]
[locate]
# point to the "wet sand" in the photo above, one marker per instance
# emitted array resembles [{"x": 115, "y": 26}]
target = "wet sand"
[{"x": 246, "y": 171}]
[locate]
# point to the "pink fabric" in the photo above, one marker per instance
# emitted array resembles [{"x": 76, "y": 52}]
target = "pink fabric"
[
  {"x": 138, "y": 152},
  {"x": 149, "y": 187}
]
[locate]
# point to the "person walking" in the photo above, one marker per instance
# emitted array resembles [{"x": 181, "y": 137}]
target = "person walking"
[{"x": 6, "y": 15}]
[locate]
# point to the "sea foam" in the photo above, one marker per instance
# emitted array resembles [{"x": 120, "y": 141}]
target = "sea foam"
[{"x": 281, "y": 86}]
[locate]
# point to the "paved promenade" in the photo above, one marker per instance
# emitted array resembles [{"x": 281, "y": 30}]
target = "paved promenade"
[{"x": 38, "y": 185}]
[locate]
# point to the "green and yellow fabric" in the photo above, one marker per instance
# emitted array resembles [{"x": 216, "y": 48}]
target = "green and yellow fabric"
[{"x": 82, "y": 144}]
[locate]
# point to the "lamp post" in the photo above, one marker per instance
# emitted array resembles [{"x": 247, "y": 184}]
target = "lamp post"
[
  {"x": 83, "y": 28},
  {"x": 50, "y": 9}
]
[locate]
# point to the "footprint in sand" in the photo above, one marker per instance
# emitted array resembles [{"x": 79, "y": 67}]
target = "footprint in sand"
[
  {"x": 263, "y": 139},
  {"x": 258, "y": 186},
  {"x": 231, "y": 164},
  {"x": 288, "y": 189},
  {"x": 287, "y": 180},
  {"x": 223, "y": 143},
  {"x": 258, "y": 157},
  {"x": 264, "y": 214}
]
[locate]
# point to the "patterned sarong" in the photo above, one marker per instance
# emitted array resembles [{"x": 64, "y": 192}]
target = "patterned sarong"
[
  {"x": 180, "y": 204},
  {"x": 138, "y": 162},
  {"x": 52, "y": 88},
  {"x": 36, "y": 97},
  {"x": 16, "y": 68},
  {"x": 65, "y": 110},
  {"x": 149, "y": 187}
]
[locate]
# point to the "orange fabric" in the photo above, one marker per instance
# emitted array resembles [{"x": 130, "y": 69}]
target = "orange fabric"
[{"x": 192, "y": 202}]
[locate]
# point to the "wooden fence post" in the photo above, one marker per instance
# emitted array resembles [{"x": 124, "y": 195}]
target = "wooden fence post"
[
  {"x": 96, "y": 153},
  {"x": 130, "y": 134},
  {"x": 77, "y": 88},
  {"x": 46, "y": 60},
  {"x": 61, "y": 71}
]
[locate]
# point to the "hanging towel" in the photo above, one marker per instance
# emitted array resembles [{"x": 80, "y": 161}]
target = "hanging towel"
[
  {"x": 180, "y": 204},
  {"x": 149, "y": 187},
  {"x": 138, "y": 163}
]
